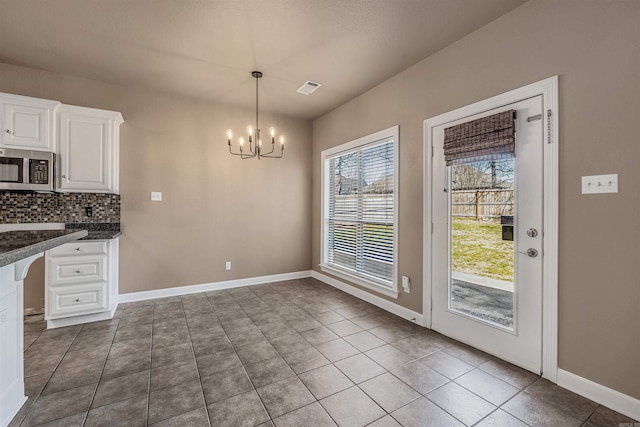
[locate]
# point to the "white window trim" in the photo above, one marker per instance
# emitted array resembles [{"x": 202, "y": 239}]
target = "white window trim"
[{"x": 357, "y": 144}]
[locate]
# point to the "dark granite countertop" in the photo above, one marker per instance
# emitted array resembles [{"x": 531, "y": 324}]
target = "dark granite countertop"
[
  {"x": 18, "y": 245},
  {"x": 102, "y": 235},
  {"x": 97, "y": 230}
]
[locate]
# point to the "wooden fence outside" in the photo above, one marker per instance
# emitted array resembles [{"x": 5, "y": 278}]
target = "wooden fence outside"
[{"x": 481, "y": 204}]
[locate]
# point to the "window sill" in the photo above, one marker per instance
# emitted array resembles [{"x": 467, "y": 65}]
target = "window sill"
[{"x": 393, "y": 293}]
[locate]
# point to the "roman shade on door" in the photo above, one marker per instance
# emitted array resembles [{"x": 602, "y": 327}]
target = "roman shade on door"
[{"x": 489, "y": 138}]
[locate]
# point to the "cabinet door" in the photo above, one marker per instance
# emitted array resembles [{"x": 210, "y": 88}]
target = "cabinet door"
[
  {"x": 26, "y": 127},
  {"x": 86, "y": 154}
]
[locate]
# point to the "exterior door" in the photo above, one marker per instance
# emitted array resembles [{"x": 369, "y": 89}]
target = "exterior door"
[{"x": 487, "y": 243}]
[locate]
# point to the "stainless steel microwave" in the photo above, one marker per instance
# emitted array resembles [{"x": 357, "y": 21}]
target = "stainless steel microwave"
[{"x": 26, "y": 170}]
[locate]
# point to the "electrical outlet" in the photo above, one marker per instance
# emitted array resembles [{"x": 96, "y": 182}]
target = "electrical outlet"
[
  {"x": 600, "y": 184},
  {"x": 156, "y": 196},
  {"x": 227, "y": 265},
  {"x": 88, "y": 211},
  {"x": 406, "y": 284}
]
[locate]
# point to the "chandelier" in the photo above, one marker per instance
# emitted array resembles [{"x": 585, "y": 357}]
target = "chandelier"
[{"x": 254, "y": 148}]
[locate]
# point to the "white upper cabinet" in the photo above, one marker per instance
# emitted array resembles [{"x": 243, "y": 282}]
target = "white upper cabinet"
[
  {"x": 27, "y": 123},
  {"x": 88, "y": 150}
]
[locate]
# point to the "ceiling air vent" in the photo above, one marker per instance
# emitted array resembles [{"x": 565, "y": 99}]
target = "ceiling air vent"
[{"x": 309, "y": 87}]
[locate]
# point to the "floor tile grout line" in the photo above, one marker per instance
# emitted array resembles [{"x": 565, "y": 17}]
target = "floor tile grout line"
[
  {"x": 153, "y": 320},
  {"x": 195, "y": 360},
  {"x": 50, "y": 376},
  {"x": 95, "y": 392}
]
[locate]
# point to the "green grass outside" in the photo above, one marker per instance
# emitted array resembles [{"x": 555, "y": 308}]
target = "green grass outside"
[{"x": 478, "y": 249}]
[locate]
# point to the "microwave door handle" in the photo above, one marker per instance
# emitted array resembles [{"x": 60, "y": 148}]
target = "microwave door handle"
[{"x": 25, "y": 171}]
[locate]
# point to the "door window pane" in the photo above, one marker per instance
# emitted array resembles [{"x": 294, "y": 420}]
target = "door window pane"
[{"x": 481, "y": 249}]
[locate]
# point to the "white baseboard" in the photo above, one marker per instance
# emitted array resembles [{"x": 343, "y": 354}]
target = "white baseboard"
[
  {"x": 605, "y": 396},
  {"x": 214, "y": 286},
  {"x": 384, "y": 304}
]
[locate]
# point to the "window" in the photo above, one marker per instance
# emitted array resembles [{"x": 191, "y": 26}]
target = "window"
[{"x": 359, "y": 237}]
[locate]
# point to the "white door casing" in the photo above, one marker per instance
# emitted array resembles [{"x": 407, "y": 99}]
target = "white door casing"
[{"x": 547, "y": 89}]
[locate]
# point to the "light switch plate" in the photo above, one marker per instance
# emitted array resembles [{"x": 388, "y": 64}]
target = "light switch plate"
[
  {"x": 406, "y": 284},
  {"x": 156, "y": 196},
  {"x": 595, "y": 184}
]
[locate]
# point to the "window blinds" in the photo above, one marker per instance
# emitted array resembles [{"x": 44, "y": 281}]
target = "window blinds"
[
  {"x": 361, "y": 211},
  {"x": 489, "y": 138}
]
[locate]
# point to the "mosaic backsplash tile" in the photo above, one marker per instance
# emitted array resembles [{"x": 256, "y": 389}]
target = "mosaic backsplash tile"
[{"x": 25, "y": 207}]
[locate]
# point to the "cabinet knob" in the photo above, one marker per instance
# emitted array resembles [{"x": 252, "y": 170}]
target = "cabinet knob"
[
  {"x": 64, "y": 176},
  {"x": 77, "y": 249},
  {"x": 9, "y": 131},
  {"x": 77, "y": 300},
  {"x": 78, "y": 271}
]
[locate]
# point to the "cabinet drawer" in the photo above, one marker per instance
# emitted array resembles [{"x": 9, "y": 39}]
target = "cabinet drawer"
[
  {"x": 79, "y": 248},
  {"x": 77, "y": 299},
  {"x": 90, "y": 268}
]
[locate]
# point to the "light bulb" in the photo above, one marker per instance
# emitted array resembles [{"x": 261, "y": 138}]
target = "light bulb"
[
  {"x": 229, "y": 134},
  {"x": 250, "y": 130},
  {"x": 273, "y": 131},
  {"x": 281, "y": 140},
  {"x": 241, "y": 141}
]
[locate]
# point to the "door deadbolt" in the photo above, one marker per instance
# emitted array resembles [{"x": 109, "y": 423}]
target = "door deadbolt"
[
  {"x": 532, "y": 252},
  {"x": 532, "y": 232}
]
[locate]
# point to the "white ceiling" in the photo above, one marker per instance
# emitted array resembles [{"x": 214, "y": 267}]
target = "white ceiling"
[{"x": 207, "y": 48}]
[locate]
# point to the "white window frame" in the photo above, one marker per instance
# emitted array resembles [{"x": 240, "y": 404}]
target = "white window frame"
[{"x": 363, "y": 280}]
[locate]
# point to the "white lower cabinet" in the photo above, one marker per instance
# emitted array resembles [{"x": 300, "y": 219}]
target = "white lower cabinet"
[{"x": 81, "y": 282}]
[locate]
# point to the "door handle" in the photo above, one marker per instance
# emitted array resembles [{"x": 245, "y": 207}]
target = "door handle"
[{"x": 532, "y": 232}]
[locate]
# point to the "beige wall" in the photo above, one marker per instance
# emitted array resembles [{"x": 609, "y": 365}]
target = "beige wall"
[
  {"x": 594, "y": 47},
  {"x": 215, "y": 207},
  {"x": 34, "y": 285}
]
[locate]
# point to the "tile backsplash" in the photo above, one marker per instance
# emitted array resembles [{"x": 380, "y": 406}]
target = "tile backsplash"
[{"x": 25, "y": 207}]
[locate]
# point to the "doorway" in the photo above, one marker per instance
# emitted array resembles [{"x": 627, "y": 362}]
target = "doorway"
[{"x": 490, "y": 232}]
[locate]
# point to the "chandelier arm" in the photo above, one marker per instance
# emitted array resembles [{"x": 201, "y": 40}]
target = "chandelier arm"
[
  {"x": 242, "y": 154},
  {"x": 272, "y": 149},
  {"x": 269, "y": 156}
]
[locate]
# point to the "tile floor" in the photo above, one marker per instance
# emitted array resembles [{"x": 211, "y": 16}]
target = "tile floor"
[{"x": 295, "y": 353}]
